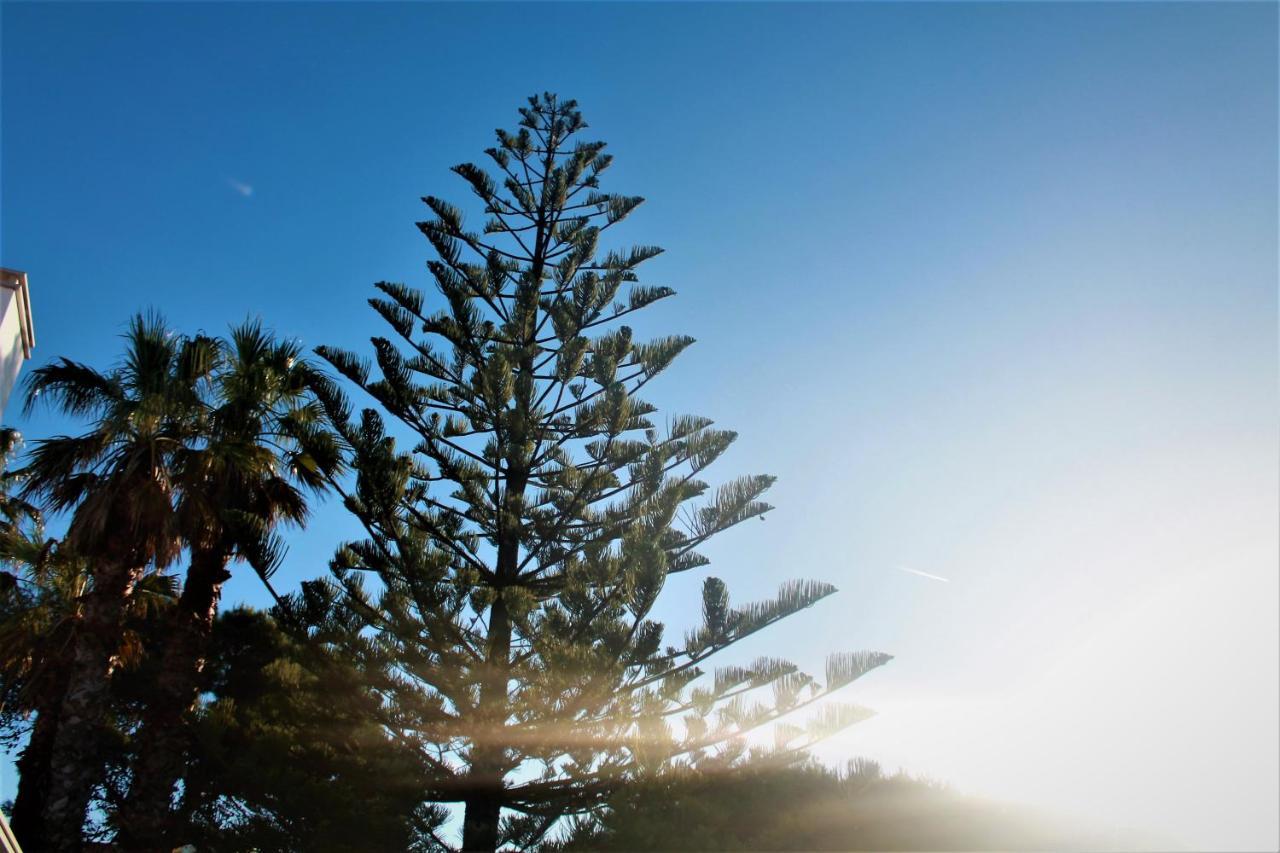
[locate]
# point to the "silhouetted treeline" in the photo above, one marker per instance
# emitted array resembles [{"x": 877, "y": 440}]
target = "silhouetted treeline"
[{"x": 485, "y": 648}]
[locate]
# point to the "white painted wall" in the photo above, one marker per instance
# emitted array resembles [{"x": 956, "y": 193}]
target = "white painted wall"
[{"x": 16, "y": 333}]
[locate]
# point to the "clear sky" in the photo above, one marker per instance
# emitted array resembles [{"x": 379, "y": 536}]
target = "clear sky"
[{"x": 992, "y": 289}]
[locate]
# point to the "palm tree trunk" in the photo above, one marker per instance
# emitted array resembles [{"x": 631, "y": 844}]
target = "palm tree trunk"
[
  {"x": 33, "y": 780},
  {"x": 163, "y": 738},
  {"x": 75, "y": 764},
  {"x": 27, "y": 820}
]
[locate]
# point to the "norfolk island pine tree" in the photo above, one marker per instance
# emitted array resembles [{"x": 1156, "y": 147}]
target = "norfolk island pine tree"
[{"x": 518, "y": 547}]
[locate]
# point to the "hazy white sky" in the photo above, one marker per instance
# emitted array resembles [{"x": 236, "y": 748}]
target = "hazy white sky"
[{"x": 1121, "y": 671}]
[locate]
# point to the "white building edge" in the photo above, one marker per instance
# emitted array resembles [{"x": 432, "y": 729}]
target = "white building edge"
[
  {"x": 17, "y": 337},
  {"x": 17, "y": 332}
]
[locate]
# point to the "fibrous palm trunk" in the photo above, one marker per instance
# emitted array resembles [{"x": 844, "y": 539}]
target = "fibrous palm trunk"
[
  {"x": 163, "y": 738},
  {"x": 33, "y": 779},
  {"x": 74, "y": 765}
]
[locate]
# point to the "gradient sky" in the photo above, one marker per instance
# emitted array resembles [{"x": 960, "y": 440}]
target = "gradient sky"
[{"x": 992, "y": 289}]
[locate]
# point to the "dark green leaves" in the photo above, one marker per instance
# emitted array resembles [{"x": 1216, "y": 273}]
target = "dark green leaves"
[{"x": 715, "y": 608}]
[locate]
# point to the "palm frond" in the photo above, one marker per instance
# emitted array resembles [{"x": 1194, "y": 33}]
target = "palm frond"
[{"x": 73, "y": 388}]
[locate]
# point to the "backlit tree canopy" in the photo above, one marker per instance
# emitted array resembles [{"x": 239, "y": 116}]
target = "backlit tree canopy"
[{"x": 517, "y": 542}]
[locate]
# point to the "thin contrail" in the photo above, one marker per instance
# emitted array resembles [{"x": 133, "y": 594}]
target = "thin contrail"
[
  {"x": 923, "y": 574},
  {"x": 241, "y": 187}
]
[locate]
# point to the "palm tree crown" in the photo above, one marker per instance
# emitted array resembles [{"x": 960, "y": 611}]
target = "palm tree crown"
[{"x": 118, "y": 476}]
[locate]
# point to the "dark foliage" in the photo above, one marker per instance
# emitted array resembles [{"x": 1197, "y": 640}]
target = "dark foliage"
[{"x": 287, "y": 753}]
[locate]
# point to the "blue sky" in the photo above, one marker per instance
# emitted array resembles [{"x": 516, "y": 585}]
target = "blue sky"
[{"x": 992, "y": 288}]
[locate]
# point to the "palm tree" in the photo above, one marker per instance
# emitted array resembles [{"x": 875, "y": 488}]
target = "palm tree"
[
  {"x": 32, "y": 601},
  {"x": 117, "y": 479},
  {"x": 39, "y": 616},
  {"x": 264, "y": 449},
  {"x": 14, "y": 511},
  {"x": 38, "y": 625}
]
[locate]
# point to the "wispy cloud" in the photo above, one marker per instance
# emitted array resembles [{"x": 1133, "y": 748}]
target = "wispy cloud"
[
  {"x": 241, "y": 187},
  {"x": 923, "y": 574}
]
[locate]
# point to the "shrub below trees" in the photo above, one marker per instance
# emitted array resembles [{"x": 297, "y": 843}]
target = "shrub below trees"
[{"x": 805, "y": 806}]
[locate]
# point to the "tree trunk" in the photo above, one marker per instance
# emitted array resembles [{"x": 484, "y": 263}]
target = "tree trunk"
[
  {"x": 33, "y": 779},
  {"x": 483, "y": 811},
  {"x": 75, "y": 762},
  {"x": 483, "y": 815},
  {"x": 146, "y": 820},
  {"x": 489, "y": 763},
  {"x": 480, "y": 825}
]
